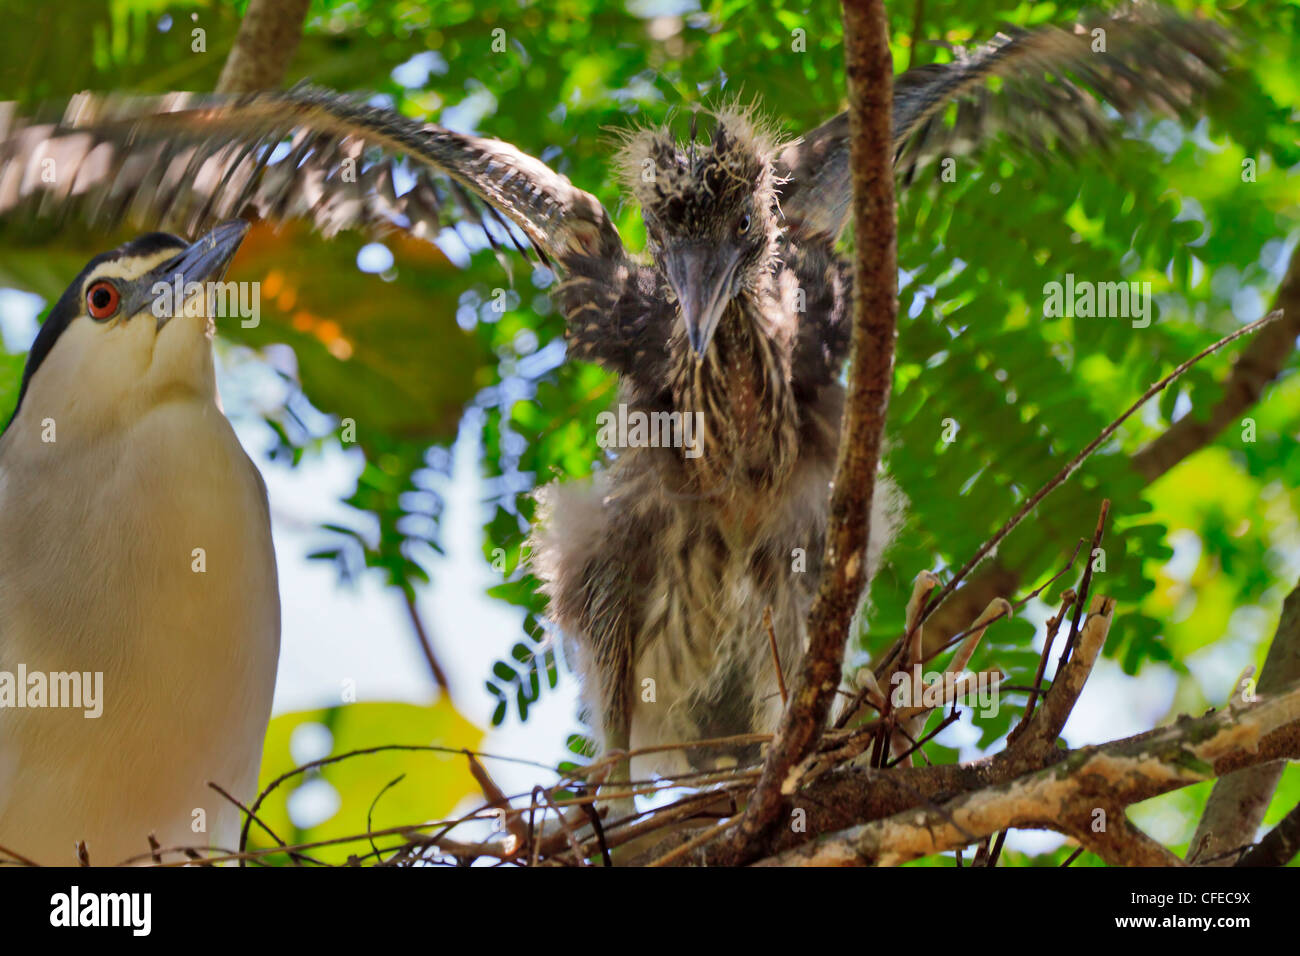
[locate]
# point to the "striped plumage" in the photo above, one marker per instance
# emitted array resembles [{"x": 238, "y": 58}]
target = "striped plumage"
[{"x": 662, "y": 566}]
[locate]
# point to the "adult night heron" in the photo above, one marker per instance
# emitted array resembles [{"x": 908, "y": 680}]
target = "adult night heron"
[
  {"x": 661, "y": 570},
  {"x": 139, "y": 611}
]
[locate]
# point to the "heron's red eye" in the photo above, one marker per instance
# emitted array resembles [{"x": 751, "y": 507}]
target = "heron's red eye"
[{"x": 102, "y": 299}]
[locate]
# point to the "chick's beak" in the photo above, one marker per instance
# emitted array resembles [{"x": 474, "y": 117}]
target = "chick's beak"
[
  {"x": 702, "y": 276},
  {"x": 206, "y": 260}
]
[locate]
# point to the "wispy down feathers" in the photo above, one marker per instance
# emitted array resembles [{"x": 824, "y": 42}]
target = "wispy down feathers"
[{"x": 737, "y": 159}]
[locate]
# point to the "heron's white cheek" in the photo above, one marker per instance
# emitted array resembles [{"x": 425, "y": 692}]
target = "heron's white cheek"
[
  {"x": 182, "y": 355},
  {"x": 90, "y": 374}
]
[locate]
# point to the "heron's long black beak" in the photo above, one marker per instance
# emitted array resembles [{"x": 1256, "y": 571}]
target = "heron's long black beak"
[
  {"x": 206, "y": 260},
  {"x": 702, "y": 276}
]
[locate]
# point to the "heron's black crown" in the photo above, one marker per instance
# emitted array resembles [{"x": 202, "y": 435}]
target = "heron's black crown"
[
  {"x": 716, "y": 189},
  {"x": 71, "y": 305}
]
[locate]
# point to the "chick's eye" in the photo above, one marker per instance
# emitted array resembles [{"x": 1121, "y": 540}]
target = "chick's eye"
[
  {"x": 102, "y": 299},
  {"x": 743, "y": 226}
]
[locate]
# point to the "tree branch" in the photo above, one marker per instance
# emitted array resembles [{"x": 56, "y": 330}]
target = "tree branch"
[
  {"x": 869, "y": 65},
  {"x": 1119, "y": 842},
  {"x": 918, "y": 21},
  {"x": 852, "y": 795},
  {"x": 267, "y": 40},
  {"x": 1280, "y": 845},
  {"x": 1046, "y": 724},
  {"x": 1238, "y": 801},
  {"x": 1259, "y": 363},
  {"x": 1061, "y": 797},
  {"x": 426, "y": 645},
  {"x": 1073, "y": 464}
]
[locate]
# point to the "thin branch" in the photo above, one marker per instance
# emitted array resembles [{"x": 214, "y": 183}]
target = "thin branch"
[
  {"x": 1046, "y": 724},
  {"x": 15, "y": 857},
  {"x": 570, "y": 834},
  {"x": 364, "y": 751},
  {"x": 952, "y": 717},
  {"x": 776, "y": 654},
  {"x": 1050, "y": 581},
  {"x": 1068, "y": 597},
  {"x": 660, "y": 818},
  {"x": 153, "y": 843},
  {"x": 499, "y": 801},
  {"x": 918, "y": 23},
  {"x": 1032, "y": 502},
  {"x": 698, "y": 840},
  {"x": 1259, "y": 364},
  {"x": 1086, "y": 583},
  {"x": 370, "y": 813},
  {"x": 422, "y": 635},
  {"x": 978, "y": 627},
  {"x": 996, "y": 852}
]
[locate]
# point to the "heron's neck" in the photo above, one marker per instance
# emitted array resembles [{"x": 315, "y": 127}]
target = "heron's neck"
[{"x": 742, "y": 394}]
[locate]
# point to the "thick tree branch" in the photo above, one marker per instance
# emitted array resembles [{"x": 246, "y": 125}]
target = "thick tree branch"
[
  {"x": 852, "y": 796},
  {"x": 1258, "y": 364},
  {"x": 1238, "y": 801},
  {"x": 1119, "y": 842},
  {"x": 1061, "y": 797},
  {"x": 869, "y": 66},
  {"x": 267, "y": 40},
  {"x": 1279, "y": 846},
  {"x": 804, "y": 719}
]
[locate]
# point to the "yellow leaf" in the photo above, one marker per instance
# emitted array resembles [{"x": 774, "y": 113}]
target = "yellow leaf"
[{"x": 432, "y": 783}]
